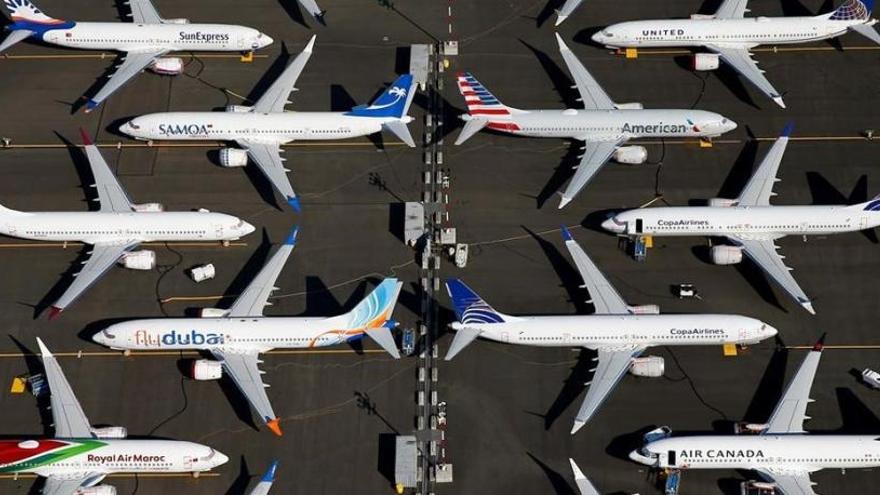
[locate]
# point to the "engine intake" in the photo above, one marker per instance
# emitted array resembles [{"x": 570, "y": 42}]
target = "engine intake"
[
  {"x": 743, "y": 428},
  {"x": 631, "y": 155},
  {"x": 206, "y": 369},
  {"x": 97, "y": 490},
  {"x": 233, "y": 157},
  {"x": 644, "y": 309},
  {"x": 706, "y": 61},
  {"x": 648, "y": 366},
  {"x": 238, "y": 109},
  {"x": 726, "y": 255},
  {"x": 168, "y": 66},
  {"x": 179, "y": 20},
  {"x": 213, "y": 313},
  {"x": 629, "y": 106},
  {"x": 148, "y": 207},
  {"x": 110, "y": 432},
  {"x": 139, "y": 260},
  {"x": 722, "y": 202}
]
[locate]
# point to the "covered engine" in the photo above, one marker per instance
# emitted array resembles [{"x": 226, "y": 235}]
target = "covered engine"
[
  {"x": 139, "y": 260},
  {"x": 743, "y": 428},
  {"x": 629, "y": 106},
  {"x": 702, "y": 17},
  {"x": 706, "y": 61},
  {"x": 110, "y": 432},
  {"x": 752, "y": 487},
  {"x": 212, "y": 313},
  {"x": 149, "y": 207},
  {"x": 648, "y": 366},
  {"x": 232, "y": 157},
  {"x": 644, "y": 309},
  {"x": 726, "y": 255},
  {"x": 238, "y": 109},
  {"x": 206, "y": 369},
  {"x": 631, "y": 155},
  {"x": 169, "y": 66},
  {"x": 722, "y": 202},
  {"x": 97, "y": 490},
  {"x": 179, "y": 20}
]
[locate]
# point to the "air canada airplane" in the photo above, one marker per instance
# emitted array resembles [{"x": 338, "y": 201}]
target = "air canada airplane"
[
  {"x": 261, "y": 129},
  {"x": 116, "y": 230},
  {"x": 620, "y": 333},
  {"x": 78, "y": 457},
  {"x": 751, "y": 223},
  {"x": 729, "y": 36},
  {"x": 143, "y": 42},
  {"x": 603, "y": 125},
  {"x": 781, "y": 452},
  {"x": 236, "y": 337},
  {"x": 266, "y": 481}
]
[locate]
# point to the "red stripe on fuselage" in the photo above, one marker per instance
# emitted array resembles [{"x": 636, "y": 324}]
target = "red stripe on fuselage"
[
  {"x": 503, "y": 126},
  {"x": 10, "y": 452},
  {"x": 486, "y": 111}
]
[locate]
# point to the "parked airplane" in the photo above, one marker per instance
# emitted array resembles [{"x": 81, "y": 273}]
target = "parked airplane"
[
  {"x": 751, "y": 223},
  {"x": 730, "y": 36},
  {"x": 566, "y": 10},
  {"x": 236, "y": 337},
  {"x": 620, "y": 333},
  {"x": 603, "y": 125},
  {"x": 143, "y": 42},
  {"x": 116, "y": 229},
  {"x": 782, "y": 453},
  {"x": 78, "y": 457},
  {"x": 265, "y": 483},
  {"x": 260, "y": 130}
]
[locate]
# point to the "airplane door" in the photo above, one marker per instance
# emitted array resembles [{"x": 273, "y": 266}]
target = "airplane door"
[
  {"x": 218, "y": 231},
  {"x": 505, "y": 337},
  {"x": 187, "y": 463},
  {"x": 670, "y": 457},
  {"x": 566, "y": 338},
  {"x": 864, "y": 223},
  {"x": 639, "y": 225}
]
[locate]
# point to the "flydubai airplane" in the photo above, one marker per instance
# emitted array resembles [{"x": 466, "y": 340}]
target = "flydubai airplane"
[
  {"x": 79, "y": 457},
  {"x": 236, "y": 337},
  {"x": 620, "y": 333},
  {"x": 143, "y": 42},
  {"x": 566, "y": 10},
  {"x": 265, "y": 483},
  {"x": 116, "y": 229},
  {"x": 603, "y": 125},
  {"x": 729, "y": 36},
  {"x": 782, "y": 453},
  {"x": 261, "y": 129},
  {"x": 750, "y": 223}
]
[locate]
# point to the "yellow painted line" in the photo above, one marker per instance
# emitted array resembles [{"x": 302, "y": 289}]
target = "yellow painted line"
[
  {"x": 123, "y": 475},
  {"x": 850, "y": 347},
  {"x": 113, "y": 55},
  {"x": 779, "y": 49},
  {"x": 12, "y": 245},
  {"x": 201, "y": 144},
  {"x": 277, "y": 352}
]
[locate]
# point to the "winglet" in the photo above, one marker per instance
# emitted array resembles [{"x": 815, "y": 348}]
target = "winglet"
[
  {"x": 91, "y": 105},
  {"x": 563, "y": 201},
  {"x": 54, "y": 312},
  {"x": 566, "y": 234},
  {"x": 578, "y": 474},
  {"x": 275, "y": 426},
  {"x": 560, "y": 18},
  {"x": 310, "y": 45},
  {"x": 293, "y": 201},
  {"x": 789, "y": 127},
  {"x": 44, "y": 351},
  {"x": 578, "y": 424},
  {"x": 291, "y": 237},
  {"x": 87, "y": 140},
  {"x": 820, "y": 344},
  {"x": 562, "y": 45},
  {"x": 269, "y": 476},
  {"x": 778, "y": 100}
]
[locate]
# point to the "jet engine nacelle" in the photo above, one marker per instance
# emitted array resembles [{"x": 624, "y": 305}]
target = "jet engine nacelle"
[
  {"x": 139, "y": 260},
  {"x": 743, "y": 428},
  {"x": 168, "y": 66},
  {"x": 148, "y": 207},
  {"x": 706, "y": 61},
  {"x": 212, "y": 313},
  {"x": 232, "y": 157},
  {"x": 179, "y": 20},
  {"x": 238, "y": 109},
  {"x": 753, "y": 486},
  {"x": 205, "y": 369},
  {"x": 97, "y": 490},
  {"x": 648, "y": 366},
  {"x": 644, "y": 309},
  {"x": 110, "y": 432},
  {"x": 726, "y": 255},
  {"x": 723, "y": 202},
  {"x": 631, "y": 155},
  {"x": 629, "y": 106},
  {"x": 702, "y": 17}
]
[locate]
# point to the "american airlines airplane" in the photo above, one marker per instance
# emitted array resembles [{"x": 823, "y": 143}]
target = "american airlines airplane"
[
  {"x": 116, "y": 230},
  {"x": 261, "y": 129},
  {"x": 144, "y": 42},
  {"x": 566, "y": 10},
  {"x": 782, "y": 453},
  {"x": 620, "y": 333},
  {"x": 729, "y": 36},
  {"x": 236, "y": 337},
  {"x": 603, "y": 125},
  {"x": 79, "y": 457},
  {"x": 750, "y": 223},
  {"x": 266, "y": 481}
]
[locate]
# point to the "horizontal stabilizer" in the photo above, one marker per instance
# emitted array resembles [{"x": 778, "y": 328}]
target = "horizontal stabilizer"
[
  {"x": 471, "y": 127},
  {"x": 864, "y": 29},
  {"x": 382, "y": 336},
  {"x": 399, "y": 129},
  {"x": 463, "y": 338},
  {"x": 14, "y": 37}
]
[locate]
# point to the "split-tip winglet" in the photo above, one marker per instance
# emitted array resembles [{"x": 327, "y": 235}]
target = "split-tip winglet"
[
  {"x": 562, "y": 45},
  {"x": 820, "y": 344},
  {"x": 275, "y": 426},
  {"x": 308, "y": 48},
  {"x": 778, "y": 100},
  {"x": 87, "y": 140},
  {"x": 789, "y": 127},
  {"x": 578, "y": 474},
  {"x": 578, "y": 424},
  {"x": 560, "y": 19},
  {"x": 91, "y": 105},
  {"x": 269, "y": 476},
  {"x": 563, "y": 202},
  {"x": 293, "y": 201},
  {"x": 291, "y": 237},
  {"x": 808, "y": 306},
  {"x": 566, "y": 234},
  {"x": 54, "y": 312},
  {"x": 44, "y": 351}
]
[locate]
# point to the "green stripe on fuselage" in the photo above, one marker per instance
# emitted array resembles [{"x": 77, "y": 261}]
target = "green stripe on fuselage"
[{"x": 75, "y": 448}]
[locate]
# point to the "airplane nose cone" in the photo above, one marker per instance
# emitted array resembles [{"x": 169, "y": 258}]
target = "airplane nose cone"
[
  {"x": 249, "y": 228},
  {"x": 611, "y": 225},
  {"x": 771, "y": 332},
  {"x": 267, "y": 40},
  {"x": 636, "y": 456},
  {"x": 220, "y": 459},
  {"x": 731, "y": 125},
  {"x": 597, "y": 37},
  {"x": 125, "y": 128}
]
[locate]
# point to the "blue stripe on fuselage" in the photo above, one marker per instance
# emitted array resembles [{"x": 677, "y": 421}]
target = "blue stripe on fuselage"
[{"x": 39, "y": 28}]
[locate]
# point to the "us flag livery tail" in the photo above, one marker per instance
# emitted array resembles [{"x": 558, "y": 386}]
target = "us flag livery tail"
[{"x": 484, "y": 109}]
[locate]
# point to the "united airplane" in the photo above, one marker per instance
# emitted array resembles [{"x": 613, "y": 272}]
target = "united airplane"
[
  {"x": 78, "y": 457},
  {"x": 750, "y": 223},
  {"x": 236, "y": 337},
  {"x": 620, "y": 333},
  {"x": 115, "y": 231},
  {"x": 144, "y": 42},
  {"x": 261, "y": 129},
  {"x": 729, "y": 36},
  {"x": 603, "y": 125}
]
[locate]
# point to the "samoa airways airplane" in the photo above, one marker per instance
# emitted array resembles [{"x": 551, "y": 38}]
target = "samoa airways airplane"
[
  {"x": 261, "y": 129},
  {"x": 603, "y": 125},
  {"x": 236, "y": 337},
  {"x": 78, "y": 457},
  {"x": 619, "y": 333},
  {"x": 116, "y": 229},
  {"x": 751, "y": 223},
  {"x": 143, "y": 41},
  {"x": 730, "y": 36}
]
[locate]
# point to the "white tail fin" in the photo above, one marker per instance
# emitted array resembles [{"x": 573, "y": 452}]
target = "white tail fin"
[{"x": 24, "y": 10}]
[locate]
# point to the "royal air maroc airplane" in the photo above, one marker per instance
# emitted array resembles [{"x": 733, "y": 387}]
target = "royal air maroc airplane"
[
  {"x": 751, "y": 223},
  {"x": 236, "y": 337},
  {"x": 603, "y": 125},
  {"x": 730, "y": 36},
  {"x": 143, "y": 41},
  {"x": 116, "y": 229},
  {"x": 261, "y": 129},
  {"x": 78, "y": 457},
  {"x": 619, "y": 333}
]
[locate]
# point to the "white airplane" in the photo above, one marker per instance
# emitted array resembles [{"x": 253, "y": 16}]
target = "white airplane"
[
  {"x": 730, "y": 36},
  {"x": 116, "y": 229},
  {"x": 143, "y": 42},
  {"x": 260, "y": 130},
  {"x": 782, "y": 453},
  {"x": 236, "y": 337},
  {"x": 266, "y": 481},
  {"x": 620, "y": 333},
  {"x": 78, "y": 457},
  {"x": 566, "y": 10},
  {"x": 603, "y": 125},
  {"x": 585, "y": 487},
  {"x": 751, "y": 223}
]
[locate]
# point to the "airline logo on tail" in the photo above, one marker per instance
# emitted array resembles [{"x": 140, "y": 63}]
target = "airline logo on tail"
[
  {"x": 393, "y": 102},
  {"x": 23, "y": 10},
  {"x": 470, "y": 307},
  {"x": 873, "y": 205},
  {"x": 853, "y": 10},
  {"x": 376, "y": 309},
  {"x": 479, "y": 100}
]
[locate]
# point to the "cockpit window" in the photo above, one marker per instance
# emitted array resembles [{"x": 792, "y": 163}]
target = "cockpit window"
[
  {"x": 108, "y": 334},
  {"x": 607, "y": 34},
  {"x": 209, "y": 456},
  {"x": 723, "y": 121},
  {"x": 134, "y": 126}
]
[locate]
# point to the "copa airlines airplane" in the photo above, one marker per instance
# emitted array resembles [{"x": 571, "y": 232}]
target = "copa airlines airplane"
[
  {"x": 116, "y": 229},
  {"x": 730, "y": 36},
  {"x": 266, "y": 481},
  {"x": 620, "y": 333},
  {"x": 260, "y": 130},
  {"x": 79, "y": 457},
  {"x": 751, "y": 223},
  {"x": 143, "y": 42},
  {"x": 603, "y": 125},
  {"x": 236, "y": 337}
]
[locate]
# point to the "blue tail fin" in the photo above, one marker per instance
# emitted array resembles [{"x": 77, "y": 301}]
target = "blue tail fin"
[
  {"x": 393, "y": 102},
  {"x": 853, "y": 10},
  {"x": 873, "y": 205},
  {"x": 469, "y": 307}
]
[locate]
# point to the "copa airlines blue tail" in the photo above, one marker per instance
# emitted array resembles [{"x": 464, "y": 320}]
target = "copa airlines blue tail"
[
  {"x": 393, "y": 102},
  {"x": 469, "y": 306}
]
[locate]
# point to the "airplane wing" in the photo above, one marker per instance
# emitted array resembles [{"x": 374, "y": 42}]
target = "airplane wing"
[
  {"x": 463, "y": 338},
  {"x": 605, "y": 297},
  {"x": 103, "y": 256},
  {"x": 243, "y": 368},
  {"x": 111, "y": 195},
  {"x": 267, "y": 156},
  {"x": 275, "y": 98},
  {"x": 791, "y": 411},
  {"x": 143, "y": 12},
  {"x": 613, "y": 364},
  {"x": 566, "y": 10},
  {"x": 256, "y": 296},
  {"x": 266, "y": 482},
  {"x": 70, "y": 485},
  {"x": 732, "y": 9},
  {"x": 592, "y": 94},
  {"x": 763, "y": 253},
  {"x": 740, "y": 59},
  {"x": 789, "y": 482},
  {"x": 67, "y": 415},
  {"x": 312, "y": 7},
  {"x": 596, "y": 154},
  {"x": 134, "y": 63},
  {"x": 760, "y": 187},
  {"x": 583, "y": 483}
]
